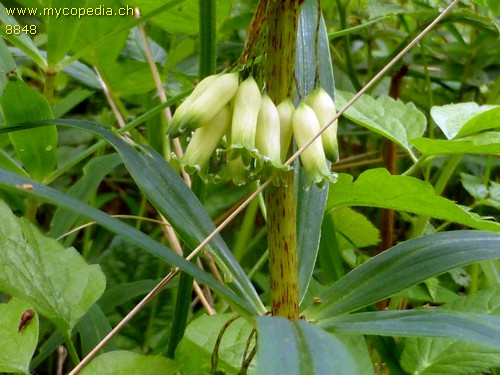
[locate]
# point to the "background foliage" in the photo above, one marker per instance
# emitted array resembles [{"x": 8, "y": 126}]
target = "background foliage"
[{"x": 424, "y": 143}]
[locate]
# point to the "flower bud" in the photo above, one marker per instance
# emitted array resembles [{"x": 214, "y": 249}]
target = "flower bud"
[
  {"x": 246, "y": 107},
  {"x": 324, "y": 108},
  {"x": 206, "y": 102},
  {"x": 285, "y": 110},
  {"x": 267, "y": 139},
  {"x": 305, "y": 127},
  {"x": 205, "y": 139}
]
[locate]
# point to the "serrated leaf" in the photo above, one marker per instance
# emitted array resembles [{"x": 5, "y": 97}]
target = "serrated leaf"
[
  {"x": 58, "y": 282},
  {"x": 37, "y": 148},
  {"x": 388, "y": 117},
  {"x": 435, "y": 356},
  {"x": 403, "y": 266},
  {"x": 196, "y": 347},
  {"x": 16, "y": 346},
  {"x": 452, "y": 118},
  {"x": 483, "y": 143},
  {"x": 378, "y": 188},
  {"x": 298, "y": 347},
  {"x": 124, "y": 362}
]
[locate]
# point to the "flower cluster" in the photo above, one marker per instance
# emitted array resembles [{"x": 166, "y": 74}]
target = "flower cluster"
[{"x": 234, "y": 124}]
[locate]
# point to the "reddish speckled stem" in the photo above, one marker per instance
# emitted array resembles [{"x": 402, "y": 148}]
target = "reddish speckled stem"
[{"x": 281, "y": 26}]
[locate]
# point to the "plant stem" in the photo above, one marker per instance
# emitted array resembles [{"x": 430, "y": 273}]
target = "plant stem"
[
  {"x": 281, "y": 19},
  {"x": 283, "y": 255},
  {"x": 48, "y": 87}
]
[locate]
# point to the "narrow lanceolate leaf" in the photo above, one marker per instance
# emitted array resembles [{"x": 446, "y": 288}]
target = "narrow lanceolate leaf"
[
  {"x": 57, "y": 282},
  {"x": 37, "y": 148},
  {"x": 377, "y": 188},
  {"x": 125, "y": 362},
  {"x": 480, "y": 329},
  {"x": 310, "y": 202},
  {"x": 297, "y": 347},
  {"x": 173, "y": 199},
  {"x": 390, "y": 118},
  {"x": 17, "y": 346},
  {"x": 402, "y": 266},
  {"x": 435, "y": 356},
  {"x": 14, "y": 182}
]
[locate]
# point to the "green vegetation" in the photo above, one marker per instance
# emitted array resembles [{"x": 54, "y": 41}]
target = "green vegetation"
[{"x": 243, "y": 256}]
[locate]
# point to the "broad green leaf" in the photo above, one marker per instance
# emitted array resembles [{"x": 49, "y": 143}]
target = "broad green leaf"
[
  {"x": 184, "y": 18},
  {"x": 94, "y": 28},
  {"x": 483, "y": 143},
  {"x": 297, "y": 347},
  {"x": 388, "y": 117},
  {"x": 21, "y": 41},
  {"x": 403, "y": 266},
  {"x": 16, "y": 346},
  {"x": 37, "y": 148},
  {"x": 474, "y": 185},
  {"x": 89, "y": 47},
  {"x": 58, "y": 282},
  {"x": 377, "y": 188},
  {"x": 434, "y": 356},
  {"x": 13, "y": 182},
  {"x": 197, "y": 345},
  {"x": 456, "y": 120},
  {"x": 61, "y": 32},
  {"x": 310, "y": 201},
  {"x": 124, "y": 362},
  {"x": 431, "y": 322},
  {"x": 490, "y": 119},
  {"x": 353, "y": 229}
]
